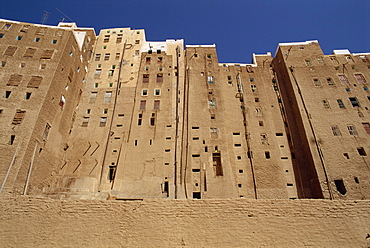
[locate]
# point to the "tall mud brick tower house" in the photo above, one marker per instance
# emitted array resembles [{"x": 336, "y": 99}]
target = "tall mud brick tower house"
[
  {"x": 115, "y": 116},
  {"x": 111, "y": 140}
]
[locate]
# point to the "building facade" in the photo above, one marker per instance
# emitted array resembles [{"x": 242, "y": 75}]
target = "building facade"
[{"x": 115, "y": 116}]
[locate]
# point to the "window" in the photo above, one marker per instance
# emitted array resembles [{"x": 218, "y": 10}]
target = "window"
[
  {"x": 326, "y": 104},
  {"x": 18, "y": 117},
  {"x": 47, "y": 54},
  {"x": 145, "y": 78},
  {"x": 159, "y": 77},
  {"x": 253, "y": 87},
  {"x": 354, "y": 102},
  {"x": 157, "y": 92},
  {"x": 106, "y": 38},
  {"x": 93, "y": 96},
  {"x": 366, "y": 126},
  {"x": 137, "y": 41},
  {"x": 140, "y": 119},
  {"x": 97, "y": 57},
  {"x": 361, "y": 151},
  {"x": 28, "y": 95},
  {"x": 352, "y": 130},
  {"x": 106, "y": 56},
  {"x": 330, "y": 81},
  {"x": 159, "y": 60},
  {"x": 267, "y": 155},
  {"x": 110, "y": 73},
  {"x": 108, "y": 96},
  {"x": 7, "y": 94},
  {"x": 320, "y": 60},
  {"x": 144, "y": 92},
  {"x": 97, "y": 71},
  {"x": 34, "y": 82},
  {"x": 316, "y": 82},
  {"x": 341, "y": 104},
  {"x": 10, "y": 50},
  {"x": 251, "y": 79},
  {"x": 54, "y": 42},
  {"x": 62, "y": 101},
  {"x": 29, "y": 52},
  {"x": 308, "y": 62},
  {"x": 156, "y": 104},
  {"x": 336, "y": 131},
  {"x": 103, "y": 121},
  {"x": 105, "y": 111},
  {"x": 14, "y": 80},
  {"x": 1, "y": 36},
  {"x": 18, "y": 38},
  {"x": 258, "y": 111},
  {"x": 360, "y": 78},
  {"x": 147, "y": 60},
  {"x": 117, "y": 55},
  {"x": 119, "y": 38},
  {"x": 6, "y": 26},
  {"x": 46, "y": 131},
  {"x": 142, "y": 104},
  {"x": 343, "y": 79},
  {"x": 136, "y": 52},
  {"x": 213, "y": 130},
  {"x": 210, "y": 80},
  {"x": 212, "y": 104}
]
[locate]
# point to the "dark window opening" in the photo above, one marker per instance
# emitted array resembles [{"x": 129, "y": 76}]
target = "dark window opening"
[
  {"x": 152, "y": 121},
  {"x": 237, "y": 145},
  {"x": 112, "y": 173},
  {"x": 236, "y": 133},
  {"x": 354, "y": 102},
  {"x": 346, "y": 155},
  {"x": 289, "y": 184},
  {"x": 239, "y": 157},
  {"x": 241, "y": 171},
  {"x": 279, "y": 134},
  {"x": 260, "y": 123},
  {"x": 196, "y": 195},
  {"x": 195, "y": 170},
  {"x": 361, "y": 151},
  {"x": 195, "y": 155},
  {"x": 206, "y": 149},
  {"x": 165, "y": 188},
  {"x": 135, "y": 142},
  {"x": 239, "y": 185},
  {"x": 12, "y": 138},
  {"x": 28, "y": 95},
  {"x": 339, "y": 184},
  {"x": 139, "y": 121},
  {"x": 7, "y": 94},
  {"x": 356, "y": 180},
  {"x": 267, "y": 155},
  {"x": 194, "y": 127}
]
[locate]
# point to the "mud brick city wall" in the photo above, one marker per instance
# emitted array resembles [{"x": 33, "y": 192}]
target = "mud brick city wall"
[{"x": 45, "y": 222}]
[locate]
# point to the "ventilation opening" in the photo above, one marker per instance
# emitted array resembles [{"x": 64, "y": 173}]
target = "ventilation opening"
[
  {"x": 340, "y": 186},
  {"x": 195, "y": 170},
  {"x": 356, "y": 180},
  {"x": 196, "y": 195}
]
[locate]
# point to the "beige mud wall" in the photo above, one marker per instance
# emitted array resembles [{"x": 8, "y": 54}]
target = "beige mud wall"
[{"x": 43, "y": 222}]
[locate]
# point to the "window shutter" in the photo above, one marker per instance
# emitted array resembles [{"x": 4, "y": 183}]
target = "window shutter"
[
  {"x": 14, "y": 80},
  {"x": 10, "y": 50},
  {"x": 34, "y": 82},
  {"x": 29, "y": 52},
  {"x": 47, "y": 54}
]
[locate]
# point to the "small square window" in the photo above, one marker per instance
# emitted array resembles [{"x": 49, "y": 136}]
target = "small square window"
[
  {"x": 36, "y": 40},
  {"x": 157, "y": 92},
  {"x": 144, "y": 92},
  {"x": 54, "y": 42},
  {"x": 19, "y": 38}
]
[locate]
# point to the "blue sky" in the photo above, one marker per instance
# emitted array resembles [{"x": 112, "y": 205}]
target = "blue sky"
[{"x": 237, "y": 27}]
